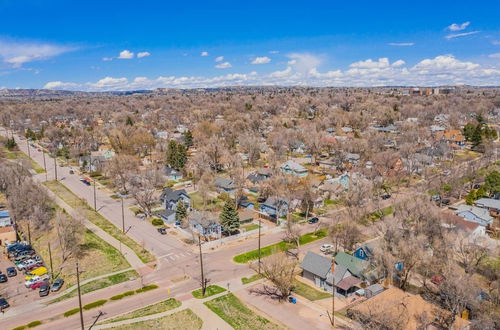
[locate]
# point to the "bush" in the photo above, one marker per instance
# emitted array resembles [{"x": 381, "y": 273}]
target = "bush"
[
  {"x": 123, "y": 295},
  {"x": 34, "y": 324},
  {"x": 21, "y": 327},
  {"x": 71, "y": 312},
  {"x": 147, "y": 288},
  {"x": 95, "y": 304},
  {"x": 157, "y": 222}
]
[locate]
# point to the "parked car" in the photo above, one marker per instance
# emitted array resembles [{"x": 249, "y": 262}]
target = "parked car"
[
  {"x": 326, "y": 247},
  {"x": 33, "y": 267},
  {"x": 3, "y": 303},
  {"x": 385, "y": 196},
  {"x": 35, "y": 279},
  {"x": 71, "y": 172},
  {"x": 436, "y": 197},
  {"x": 445, "y": 201},
  {"x": 38, "y": 284},
  {"x": 3, "y": 278},
  {"x": 36, "y": 272},
  {"x": 11, "y": 272},
  {"x": 313, "y": 220},
  {"x": 58, "y": 283},
  {"x": 44, "y": 290},
  {"x": 162, "y": 231},
  {"x": 25, "y": 264}
]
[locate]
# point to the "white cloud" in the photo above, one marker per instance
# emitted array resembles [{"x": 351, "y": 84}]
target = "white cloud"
[
  {"x": 303, "y": 62},
  {"x": 401, "y": 44},
  {"x": 440, "y": 70},
  {"x": 496, "y": 42},
  {"x": 60, "y": 85},
  {"x": 106, "y": 59},
  {"x": 458, "y": 27},
  {"x": 495, "y": 55},
  {"x": 219, "y": 59},
  {"x": 274, "y": 51},
  {"x": 126, "y": 55},
  {"x": 204, "y": 54},
  {"x": 143, "y": 54},
  {"x": 261, "y": 60},
  {"x": 458, "y": 35},
  {"x": 109, "y": 83},
  {"x": 16, "y": 54},
  {"x": 223, "y": 65}
]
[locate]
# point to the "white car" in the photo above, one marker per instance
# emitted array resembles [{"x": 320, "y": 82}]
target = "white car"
[
  {"x": 26, "y": 264},
  {"x": 326, "y": 247},
  {"x": 34, "y": 280}
]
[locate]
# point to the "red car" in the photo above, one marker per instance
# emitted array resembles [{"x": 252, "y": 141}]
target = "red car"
[
  {"x": 35, "y": 266},
  {"x": 38, "y": 284}
]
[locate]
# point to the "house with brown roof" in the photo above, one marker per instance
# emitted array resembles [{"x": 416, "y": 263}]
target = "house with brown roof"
[{"x": 452, "y": 136}]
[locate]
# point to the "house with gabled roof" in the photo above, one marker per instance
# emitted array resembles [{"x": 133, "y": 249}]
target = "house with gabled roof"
[
  {"x": 170, "y": 198},
  {"x": 475, "y": 214},
  {"x": 293, "y": 168}
]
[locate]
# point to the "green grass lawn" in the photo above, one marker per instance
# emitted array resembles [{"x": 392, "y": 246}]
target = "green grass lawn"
[
  {"x": 21, "y": 155},
  {"x": 182, "y": 320},
  {"x": 239, "y": 316},
  {"x": 100, "y": 284},
  {"x": 278, "y": 247},
  {"x": 97, "y": 257},
  {"x": 253, "y": 278},
  {"x": 210, "y": 291},
  {"x": 160, "y": 307},
  {"x": 308, "y": 291},
  {"x": 249, "y": 227},
  {"x": 77, "y": 203},
  {"x": 377, "y": 215}
]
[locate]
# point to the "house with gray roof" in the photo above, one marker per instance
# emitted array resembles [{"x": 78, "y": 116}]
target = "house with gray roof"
[
  {"x": 224, "y": 185},
  {"x": 293, "y": 168},
  {"x": 318, "y": 269},
  {"x": 489, "y": 204},
  {"x": 475, "y": 214},
  {"x": 170, "y": 198}
]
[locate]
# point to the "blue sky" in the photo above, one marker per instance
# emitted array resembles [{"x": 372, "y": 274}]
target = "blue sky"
[{"x": 118, "y": 45}]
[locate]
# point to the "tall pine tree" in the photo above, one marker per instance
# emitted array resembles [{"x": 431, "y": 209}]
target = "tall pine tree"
[
  {"x": 176, "y": 155},
  {"x": 188, "y": 139},
  {"x": 229, "y": 217}
]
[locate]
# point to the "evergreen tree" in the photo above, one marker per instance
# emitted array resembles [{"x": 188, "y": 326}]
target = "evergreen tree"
[
  {"x": 176, "y": 155},
  {"x": 188, "y": 139},
  {"x": 229, "y": 217},
  {"x": 469, "y": 129},
  {"x": 492, "y": 182},
  {"x": 10, "y": 144},
  {"x": 180, "y": 211},
  {"x": 129, "y": 122},
  {"x": 476, "y": 137}
]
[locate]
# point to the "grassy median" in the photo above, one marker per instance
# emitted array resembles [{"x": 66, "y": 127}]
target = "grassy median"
[
  {"x": 157, "y": 308},
  {"x": 184, "y": 319}
]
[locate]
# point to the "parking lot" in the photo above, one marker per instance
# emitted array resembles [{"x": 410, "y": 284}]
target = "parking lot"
[{"x": 14, "y": 290}]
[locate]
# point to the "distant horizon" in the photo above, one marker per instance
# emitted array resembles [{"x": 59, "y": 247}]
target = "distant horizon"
[{"x": 116, "y": 46}]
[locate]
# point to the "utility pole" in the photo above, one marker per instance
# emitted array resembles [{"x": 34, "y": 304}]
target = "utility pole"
[
  {"x": 123, "y": 218},
  {"x": 50, "y": 259},
  {"x": 332, "y": 316},
  {"x": 45, "y": 166},
  {"x": 55, "y": 166},
  {"x": 101, "y": 313},
  {"x": 260, "y": 225},
  {"x": 29, "y": 232},
  {"x": 79, "y": 295},
  {"x": 203, "y": 284}
]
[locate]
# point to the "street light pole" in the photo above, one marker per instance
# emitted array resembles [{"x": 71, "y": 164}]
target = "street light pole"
[
  {"x": 332, "y": 317},
  {"x": 50, "y": 259},
  {"x": 29, "y": 151},
  {"x": 95, "y": 200},
  {"x": 260, "y": 225},
  {"x": 55, "y": 166},
  {"x": 45, "y": 166},
  {"x": 79, "y": 296},
  {"x": 123, "y": 218}
]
